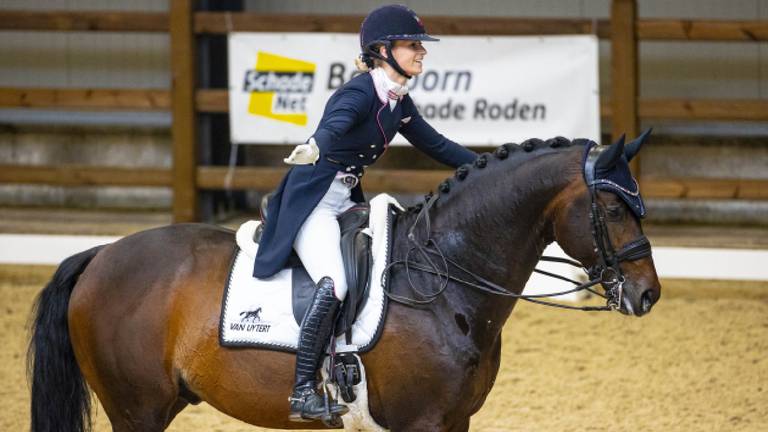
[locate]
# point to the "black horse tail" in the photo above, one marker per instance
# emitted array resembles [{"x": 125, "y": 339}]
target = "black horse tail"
[{"x": 61, "y": 400}]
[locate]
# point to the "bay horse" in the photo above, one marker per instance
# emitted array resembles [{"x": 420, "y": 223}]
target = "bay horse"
[{"x": 137, "y": 320}]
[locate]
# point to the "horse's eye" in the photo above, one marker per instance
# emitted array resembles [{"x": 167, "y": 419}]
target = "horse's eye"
[{"x": 614, "y": 211}]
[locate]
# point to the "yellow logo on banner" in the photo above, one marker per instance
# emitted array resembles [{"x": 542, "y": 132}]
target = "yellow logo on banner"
[{"x": 279, "y": 87}]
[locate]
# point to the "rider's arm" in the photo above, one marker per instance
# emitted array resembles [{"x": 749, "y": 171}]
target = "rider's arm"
[
  {"x": 347, "y": 107},
  {"x": 424, "y": 137}
]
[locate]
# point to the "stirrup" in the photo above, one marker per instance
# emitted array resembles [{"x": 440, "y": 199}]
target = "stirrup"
[{"x": 308, "y": 405}]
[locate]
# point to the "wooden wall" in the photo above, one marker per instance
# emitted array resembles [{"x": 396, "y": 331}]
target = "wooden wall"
[{"x": 624, "y": 106}]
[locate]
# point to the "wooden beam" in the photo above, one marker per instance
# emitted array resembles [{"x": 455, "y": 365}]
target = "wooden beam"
[
  {"x": 77, "y": 175},
  {"x": 214, "y": 100},
  {"x": 702, "y": 30},
  {"x": 255, "y": 178},
  {"x": 606, "y": 108},
  {"x": 702, "y": 109},
  {"x": 422, "y": 181},
  {"x": 84, "y": 21},
  {"x": 393, "y": 181},
  {"x": 223, "y": 22},
  {"x": 86, "y": 99},
  {"x": 266, "y": 179},
  {"x": 704, "y": 188},
  {"x": 183, "y": 127},
  {"x": 624, "y": 73},
  {"x": 217, "y": 100},
  {"x": 210, "y": 100}
]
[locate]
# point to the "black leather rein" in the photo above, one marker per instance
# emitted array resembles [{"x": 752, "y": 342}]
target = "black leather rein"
[{"x": 606, "y": 271}]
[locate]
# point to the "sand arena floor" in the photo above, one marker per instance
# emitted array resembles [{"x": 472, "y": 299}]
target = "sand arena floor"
[{"x": 698, "y": 362}]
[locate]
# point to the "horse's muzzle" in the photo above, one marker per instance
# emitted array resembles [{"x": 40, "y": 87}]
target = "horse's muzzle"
[{"x": 640, "y": 305}]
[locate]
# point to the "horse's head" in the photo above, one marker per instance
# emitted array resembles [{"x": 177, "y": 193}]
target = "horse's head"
[{"x": 598, "y": 223}]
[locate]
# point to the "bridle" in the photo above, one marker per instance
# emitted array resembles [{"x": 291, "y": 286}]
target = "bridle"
[{"x": 606, "y": 271}]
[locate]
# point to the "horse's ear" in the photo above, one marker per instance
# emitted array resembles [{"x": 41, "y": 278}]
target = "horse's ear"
[
  {"x": 611, "y": 155},
  {"x": 632, "y": 148}
]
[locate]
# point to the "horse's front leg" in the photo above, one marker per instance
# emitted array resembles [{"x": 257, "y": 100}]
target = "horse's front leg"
[{"x": 416, "y": 381}]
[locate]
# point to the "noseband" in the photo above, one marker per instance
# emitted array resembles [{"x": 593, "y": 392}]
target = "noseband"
[{"x": 606, "y": 271}]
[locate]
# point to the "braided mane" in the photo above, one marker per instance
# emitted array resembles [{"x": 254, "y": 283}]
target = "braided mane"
[{"x": 512, "y": 152}]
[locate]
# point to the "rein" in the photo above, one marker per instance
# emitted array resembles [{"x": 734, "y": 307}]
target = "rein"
[
  {"x": 606, "y": 272},
  {"x": 430, "y": 249}
]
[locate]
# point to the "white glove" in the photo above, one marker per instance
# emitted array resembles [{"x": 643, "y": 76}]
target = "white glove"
[{"x": 304, "y": 154}]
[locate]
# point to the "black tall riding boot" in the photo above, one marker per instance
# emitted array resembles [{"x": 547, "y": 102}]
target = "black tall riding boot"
[{"x": 316, "y": 328}]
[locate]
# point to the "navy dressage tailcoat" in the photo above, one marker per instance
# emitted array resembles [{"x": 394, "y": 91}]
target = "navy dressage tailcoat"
[{"x": 355, "y": 130}]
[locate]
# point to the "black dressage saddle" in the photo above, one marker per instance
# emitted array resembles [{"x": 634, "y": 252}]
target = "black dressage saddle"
[{"x": 356, "y": 252}]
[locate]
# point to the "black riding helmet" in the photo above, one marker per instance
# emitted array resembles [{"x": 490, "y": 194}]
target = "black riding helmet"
[{"x": 386, "y": 24}]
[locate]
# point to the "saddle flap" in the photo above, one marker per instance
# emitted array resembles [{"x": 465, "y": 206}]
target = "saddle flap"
[
  {"x": 302, "y": 291},
  {"x": 356, "y": 253}
]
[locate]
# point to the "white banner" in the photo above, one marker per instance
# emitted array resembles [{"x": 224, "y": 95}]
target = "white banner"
[{"x": 475, "y": 90}]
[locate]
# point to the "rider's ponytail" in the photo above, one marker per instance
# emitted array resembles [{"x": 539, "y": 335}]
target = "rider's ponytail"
[{"x": 364, "y": 62}]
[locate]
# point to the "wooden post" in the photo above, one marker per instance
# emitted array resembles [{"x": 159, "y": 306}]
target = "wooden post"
[
  {"x": 183, "y": 130},
  {"x": 624, "y": 73}
]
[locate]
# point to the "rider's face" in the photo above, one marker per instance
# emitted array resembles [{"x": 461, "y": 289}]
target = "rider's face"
[{"x": 409, "y": 55}]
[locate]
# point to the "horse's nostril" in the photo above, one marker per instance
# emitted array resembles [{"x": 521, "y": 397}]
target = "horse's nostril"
[{"x": 646, "y": 301}]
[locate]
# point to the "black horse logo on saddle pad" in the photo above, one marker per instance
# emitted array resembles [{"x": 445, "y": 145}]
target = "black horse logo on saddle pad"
[{"x": 251, "y": 316}]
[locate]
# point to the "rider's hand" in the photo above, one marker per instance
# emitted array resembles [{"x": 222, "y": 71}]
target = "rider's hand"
[{"x": 304, "y": 154}]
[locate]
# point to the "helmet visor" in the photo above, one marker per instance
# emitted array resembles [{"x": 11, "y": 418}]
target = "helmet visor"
[{"x": 416, "y": 37}]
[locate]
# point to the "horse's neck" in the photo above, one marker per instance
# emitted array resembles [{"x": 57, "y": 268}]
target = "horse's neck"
[
  {"x": 497, "y": 222},
  {"x": 501, "y": 214}
]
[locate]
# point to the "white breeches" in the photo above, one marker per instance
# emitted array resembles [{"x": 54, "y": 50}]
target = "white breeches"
[{"x": 318, "y": 242}]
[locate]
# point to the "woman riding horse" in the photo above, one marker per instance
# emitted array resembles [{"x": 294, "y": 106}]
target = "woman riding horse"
[
  {"x": 137, "y": 321},
  {"x": 359, "y": 121}
]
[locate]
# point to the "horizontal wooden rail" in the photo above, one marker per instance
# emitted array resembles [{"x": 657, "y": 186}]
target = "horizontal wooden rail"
[
  {"x": 702, "y": 30},
  {"x": 214, "y": 101},
  {"x": 700, "y": 188},
  {"x": 393, "y": 181},
  {"x": 703, "y": 109},
  {"x": 223, "y": 22},
  {"x": 217, "y": 101},
  {"x": 376, "y": 180},
  {"x": 422, "y": 181},
  {"x": 116, "y": 99},
  {"x": 257, "y": 178},
  {"x": 84, "y": 21},
  {"x": 648, "y": 29},
  {"x": 77, "y": 175}
]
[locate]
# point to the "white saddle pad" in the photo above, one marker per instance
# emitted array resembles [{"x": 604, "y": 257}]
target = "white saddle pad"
[{"x": 259, "y": 313}]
